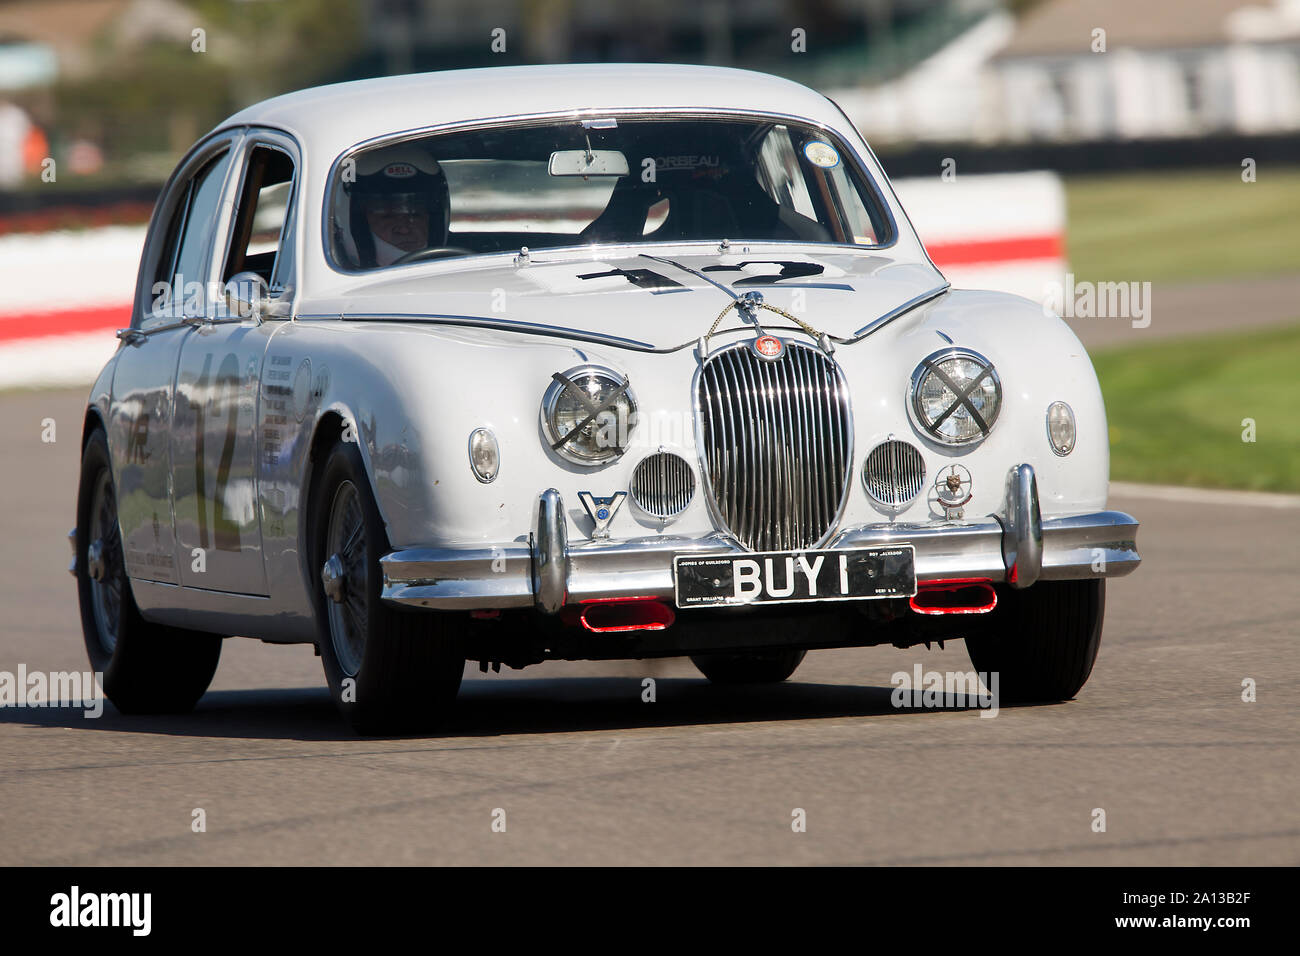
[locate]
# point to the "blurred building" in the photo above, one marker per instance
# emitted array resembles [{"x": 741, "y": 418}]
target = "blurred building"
[
  {"x": 1171, "y": 68},
  {"x": 42, "y": 41},
  {"x": 815, "y": 41},
  {"x": 115, "y": 86},
  {"x": 1100, "y": 69}
]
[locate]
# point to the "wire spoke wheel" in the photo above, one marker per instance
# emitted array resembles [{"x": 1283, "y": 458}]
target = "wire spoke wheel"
[
  {"x": 346, "y": 539},
  {"x": 390, "y": 669},
  {"x": 146, "y": 667}
]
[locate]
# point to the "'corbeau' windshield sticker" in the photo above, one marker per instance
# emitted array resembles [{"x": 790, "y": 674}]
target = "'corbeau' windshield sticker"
[{"x": 687, "y": 162}]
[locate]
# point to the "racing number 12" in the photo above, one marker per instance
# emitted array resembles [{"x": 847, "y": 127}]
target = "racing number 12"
[{"x": 225, "y": 531}]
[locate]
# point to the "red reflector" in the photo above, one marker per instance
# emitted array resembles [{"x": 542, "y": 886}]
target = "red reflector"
[
  {"x": 954, "y": 596},
  {"x": 606, "y": 615}
]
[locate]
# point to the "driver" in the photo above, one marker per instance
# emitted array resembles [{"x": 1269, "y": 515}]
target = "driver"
[{"x": 400, "y": 205}]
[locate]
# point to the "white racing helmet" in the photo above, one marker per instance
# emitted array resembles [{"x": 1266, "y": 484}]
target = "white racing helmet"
[{"x": 397, "y": 177}]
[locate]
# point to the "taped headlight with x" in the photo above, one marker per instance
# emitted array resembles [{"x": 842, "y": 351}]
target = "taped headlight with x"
[
  {"x": 589, "y": 414},
  {"x": 956, "y": 396}
]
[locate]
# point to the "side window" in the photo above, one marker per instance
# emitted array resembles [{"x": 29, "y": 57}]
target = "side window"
[
  {"x": 200, "y": 218},
  {"x": 859, "y": 218},
  {"x": 802, "y": 188},
  {"x": 779, "y": 163},
  {"x": 260, "y": 242},
  {"x": 181, "y": 260}
]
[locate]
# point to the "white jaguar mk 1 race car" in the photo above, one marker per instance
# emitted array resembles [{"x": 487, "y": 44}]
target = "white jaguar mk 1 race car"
[{"x": 575, "y": 362}]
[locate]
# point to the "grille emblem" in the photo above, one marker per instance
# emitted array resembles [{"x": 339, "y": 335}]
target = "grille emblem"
[
  {"x": 953, "y": 489},
  {"x": 601, "y": 510},
  {"x": 768, "y": 347}
]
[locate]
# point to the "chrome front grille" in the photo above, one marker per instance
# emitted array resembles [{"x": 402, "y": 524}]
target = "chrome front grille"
[
  {"x": 662, "y": 484},
  {"x": 777, "y": 444},
  {"x": 894, "y": 473}
]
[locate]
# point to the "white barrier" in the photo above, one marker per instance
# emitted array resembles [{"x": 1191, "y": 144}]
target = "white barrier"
[
  {"x": 62, "y": 295},
  {"x": 1004, "y": 232}
]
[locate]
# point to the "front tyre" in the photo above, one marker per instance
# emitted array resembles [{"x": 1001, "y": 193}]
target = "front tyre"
[
  {"x": 390, "y": 670},
  {"x": 147, "y": 668},
  {"x": 1044, "y": 641},
  {"x": 763, "y": 667}
]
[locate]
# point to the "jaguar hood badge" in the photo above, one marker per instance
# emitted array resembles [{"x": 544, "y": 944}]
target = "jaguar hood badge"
[{"x": 769, "y": 347}]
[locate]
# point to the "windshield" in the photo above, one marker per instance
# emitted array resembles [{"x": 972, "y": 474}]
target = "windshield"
[{"x": 607, "y": 180}]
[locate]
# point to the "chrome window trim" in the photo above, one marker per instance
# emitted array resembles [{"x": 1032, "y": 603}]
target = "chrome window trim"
[
  {"x": 203, "y": 152},
  {"x": 877, "y": 194},
  {"x": 270, "y": 139},
  {"x": 894, "y": 195}
]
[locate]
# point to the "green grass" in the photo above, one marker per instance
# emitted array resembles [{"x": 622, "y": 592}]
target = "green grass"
[
  {"x": 1204, "y": 224},
  {"x": 1176, "y": 409}
]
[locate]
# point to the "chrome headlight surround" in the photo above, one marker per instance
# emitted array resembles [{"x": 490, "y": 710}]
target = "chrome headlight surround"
[
  {"x": 974, "y": 396},
  {"x": 606, "y": 436}
]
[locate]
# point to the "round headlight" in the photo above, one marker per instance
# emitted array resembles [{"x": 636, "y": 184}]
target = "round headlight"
[
  {"x": 1060, "y": 428},
  {"x": 588, "y": 414},
  {"x": 956, "y": 396},
  {"x": 484, "y": 454}
]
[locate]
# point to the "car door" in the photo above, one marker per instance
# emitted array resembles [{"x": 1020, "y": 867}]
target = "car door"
[
  {"x": 215, "y": 434},
  {"x": 144, "y": 374}
]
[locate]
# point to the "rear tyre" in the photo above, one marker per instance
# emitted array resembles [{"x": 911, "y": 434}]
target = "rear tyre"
[
  {"x": 1044, "y": 641},
  {"x": 391, "y": 670},
  {"x": 764, "y": 667},
  {"x": 147, "y": 668}
]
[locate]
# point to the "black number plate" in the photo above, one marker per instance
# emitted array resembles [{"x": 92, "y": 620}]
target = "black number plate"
[{"x": 786, "y": 577}]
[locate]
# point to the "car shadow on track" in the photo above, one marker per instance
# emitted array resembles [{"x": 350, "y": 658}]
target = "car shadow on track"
[{"x": 519, "y": 706}]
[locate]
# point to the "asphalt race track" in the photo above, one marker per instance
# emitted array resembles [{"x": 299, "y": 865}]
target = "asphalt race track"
[{"x": 586, "y": 772}]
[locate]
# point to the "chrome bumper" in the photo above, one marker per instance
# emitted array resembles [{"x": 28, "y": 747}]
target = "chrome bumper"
[{"x": 1015, "y": 546}]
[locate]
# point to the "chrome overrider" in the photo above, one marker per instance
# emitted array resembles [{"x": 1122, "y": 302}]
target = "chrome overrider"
[{"x": 1016, "y": 546}]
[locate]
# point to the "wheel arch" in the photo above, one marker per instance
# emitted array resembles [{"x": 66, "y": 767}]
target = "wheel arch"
[
  {"x": 93, "y": 419},
  {"x": 328, "y": 432}
]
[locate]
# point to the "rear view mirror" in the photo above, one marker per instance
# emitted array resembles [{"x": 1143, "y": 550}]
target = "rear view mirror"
[{"x": 587, "y": 162}]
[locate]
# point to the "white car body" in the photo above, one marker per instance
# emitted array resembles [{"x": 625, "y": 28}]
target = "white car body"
[{"x": 411, "y": 359}]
